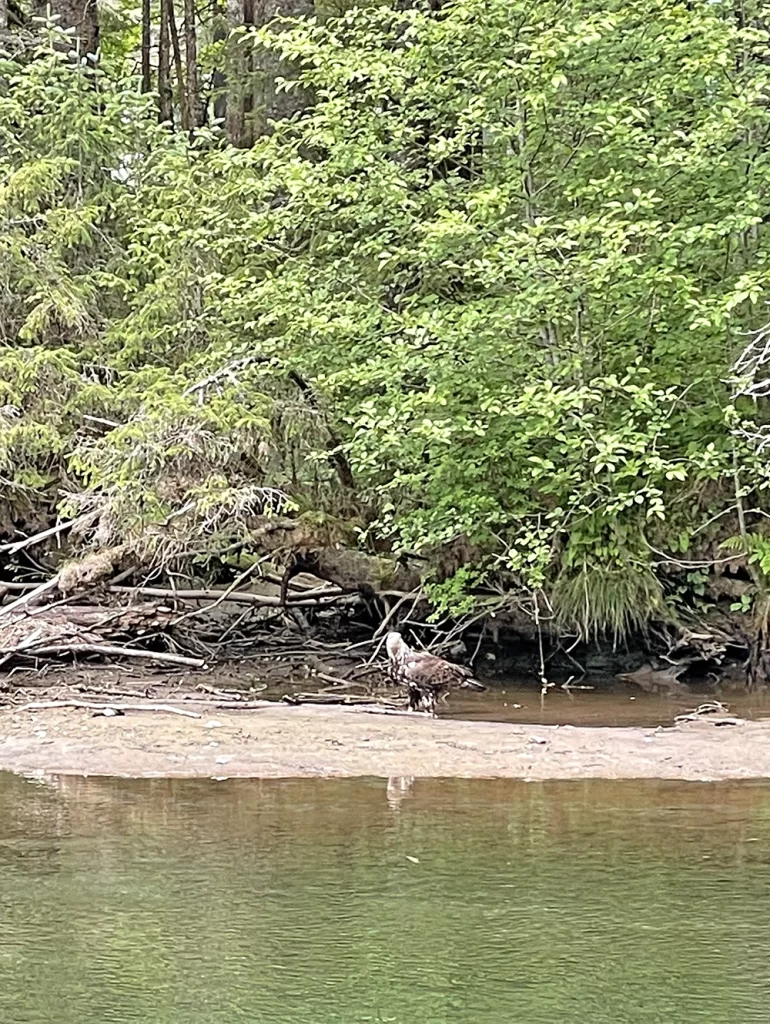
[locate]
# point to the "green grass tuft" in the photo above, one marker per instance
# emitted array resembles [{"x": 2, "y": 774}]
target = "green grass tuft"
[{"x": 601, "y": 600}]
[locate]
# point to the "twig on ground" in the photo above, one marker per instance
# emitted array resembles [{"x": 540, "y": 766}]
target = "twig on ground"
[
  {"x": 346, "y": 699},
  {"x": 375, "y": 709},
  {"x": 45, "y": 705},
  {"x": 334, "y": 680},
  {"x": 235, "y": 695}
]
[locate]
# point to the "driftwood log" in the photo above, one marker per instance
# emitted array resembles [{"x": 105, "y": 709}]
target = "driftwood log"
[{"x": 59, "y": 630}]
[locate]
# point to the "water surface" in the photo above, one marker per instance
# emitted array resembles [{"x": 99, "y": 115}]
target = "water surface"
[
  {"x": 604, "y": 706},
  {"x": 344, "y": 901}
]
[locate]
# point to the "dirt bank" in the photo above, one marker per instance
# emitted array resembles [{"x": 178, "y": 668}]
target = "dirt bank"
[{"x": 280, "y": 742}]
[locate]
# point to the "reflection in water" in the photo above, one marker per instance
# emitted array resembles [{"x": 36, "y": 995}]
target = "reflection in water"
[
  {"x": 312, "y": 902},
  {"x": 399, "y": 786}
]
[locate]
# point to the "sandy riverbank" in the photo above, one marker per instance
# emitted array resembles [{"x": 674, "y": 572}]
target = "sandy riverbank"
[{"x": 277, "y": 741}]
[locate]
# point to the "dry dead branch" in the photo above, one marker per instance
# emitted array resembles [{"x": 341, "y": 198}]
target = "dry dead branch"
[
  {"x": 322, "y": 598},
  {"x": 46, "y": 705},
  {"x": 37, "y": 538},
  {"x": 30, "y": 597},
  {"x": 112, "y": 651}
]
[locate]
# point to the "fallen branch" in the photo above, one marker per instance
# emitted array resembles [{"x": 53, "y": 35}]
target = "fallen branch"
[
  {"x": 36, "y": 538},
  {"x": 704, "y": 712},
  {"x": 31, "y": 596},
  {"x": 223, "y": 595},
  {"x": 112, "y": 651},
  {"x": 233, "y": 705},
  {"x": 416, "y": 594},
  {"x": 234, "y": 695},
  {"x": 335, "y": 680},
  {"x": 346, "y": 699},
  {"x": 712, "y": 721},
  {"x": 377, "y": 709},
  {"x": 239, "y": 597},
  {"x": 45, "y": 705},
  {"x": 25, "y": 645}
]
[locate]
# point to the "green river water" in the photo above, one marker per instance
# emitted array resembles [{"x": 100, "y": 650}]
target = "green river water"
[{"x": 346, "y": 901}]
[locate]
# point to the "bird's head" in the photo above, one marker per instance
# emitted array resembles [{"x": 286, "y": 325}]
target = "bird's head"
[{"x": 395, "y": 645}]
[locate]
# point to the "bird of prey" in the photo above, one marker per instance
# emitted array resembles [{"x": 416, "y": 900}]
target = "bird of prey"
[{"x": 425, "y": 676}]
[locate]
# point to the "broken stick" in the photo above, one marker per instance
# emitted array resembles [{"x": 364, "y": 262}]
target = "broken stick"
[
  {"x": 31, "y": 596},
  {"x": 44, "y": 705},
  {"x": 36, "y": 538},
  {"x": 113, "y": 651}
]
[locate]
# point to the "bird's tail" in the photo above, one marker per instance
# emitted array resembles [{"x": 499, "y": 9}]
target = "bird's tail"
[{"x": 473, "y": 684}]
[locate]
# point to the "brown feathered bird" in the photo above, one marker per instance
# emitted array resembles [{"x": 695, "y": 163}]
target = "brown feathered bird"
[{"x": 425, "y": 676}]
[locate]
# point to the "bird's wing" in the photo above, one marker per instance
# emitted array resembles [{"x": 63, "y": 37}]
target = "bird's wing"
[{"x": 428, "y": 670}]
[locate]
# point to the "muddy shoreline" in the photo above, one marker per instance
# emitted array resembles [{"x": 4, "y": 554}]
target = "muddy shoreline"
[{"x": 276, "y": 741}]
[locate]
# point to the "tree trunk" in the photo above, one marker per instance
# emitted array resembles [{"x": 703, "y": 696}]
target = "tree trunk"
[
  {"x": 165, "y": 97},
  {"x": 219, "y": 77},
  {"x": 239, "y": 67},
  {"x": 194, "y": 112},
  {"x": 3, "y": 15},
  {"x": 146, "y": 25},
  {"x": 180, "y": 78},
  {"x": 270, "y": 104}
]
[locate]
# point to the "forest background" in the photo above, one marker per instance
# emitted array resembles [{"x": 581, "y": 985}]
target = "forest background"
[{"x": 470, "y": 290}]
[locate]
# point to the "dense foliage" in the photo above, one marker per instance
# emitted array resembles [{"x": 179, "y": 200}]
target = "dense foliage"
[{"x": 498, "y": 270}]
